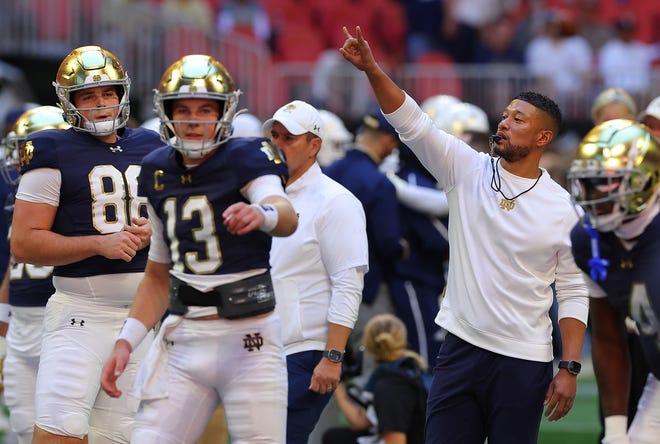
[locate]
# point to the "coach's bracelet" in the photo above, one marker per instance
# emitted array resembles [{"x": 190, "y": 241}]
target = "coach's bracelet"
[
  {"x": 271, "y": 216},
  {"x": 133, "y": 332},
  {"x": 5, "y": 309}
]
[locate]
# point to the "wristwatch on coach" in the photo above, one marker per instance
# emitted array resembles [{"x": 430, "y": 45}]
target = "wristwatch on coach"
[
  {"x": 573, "y": 367},
  {"x": 335, "y": 356}
]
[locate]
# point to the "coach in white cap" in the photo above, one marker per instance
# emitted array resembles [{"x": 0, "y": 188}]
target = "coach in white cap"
[{"x": 318, "y": 272}]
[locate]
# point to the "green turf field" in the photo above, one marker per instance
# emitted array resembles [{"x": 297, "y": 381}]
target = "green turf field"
[{"x": 579, "y": 427}]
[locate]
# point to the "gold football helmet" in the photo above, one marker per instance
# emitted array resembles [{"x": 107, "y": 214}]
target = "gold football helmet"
[
  {"x": 196, "y": 77},
  {"x": 90, "y": 67},
  {"x": 437, "y": 107},
  {"x": 337, "y": 137},
  {"x": 31, "y": 121},
  {"x": 469, "y": 123},
  {"x": 616, "y": 174}
]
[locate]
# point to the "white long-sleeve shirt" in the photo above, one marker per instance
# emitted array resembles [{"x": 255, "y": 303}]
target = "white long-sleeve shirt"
[
  {"x": 318, "y": 271},
  {"x": 502, "y": 262}
]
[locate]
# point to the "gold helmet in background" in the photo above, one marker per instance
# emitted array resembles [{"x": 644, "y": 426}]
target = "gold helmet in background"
[
  {"x": 90, "y": 67},
  {"x": 336, "y": 138},
  {"x": 31, "y": 121},
  {"x": 196, "y": 77},
  {"x": 437, "y": 107},
  {"x": 616, "y": 173}
]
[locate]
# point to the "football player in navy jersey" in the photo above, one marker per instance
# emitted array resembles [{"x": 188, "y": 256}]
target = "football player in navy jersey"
[
  {"x": 214, "y": 203},
  {"x": 25, "y": 288},
  {"x": 77, "y": 208},
  {"x": 616, "y": 180}
]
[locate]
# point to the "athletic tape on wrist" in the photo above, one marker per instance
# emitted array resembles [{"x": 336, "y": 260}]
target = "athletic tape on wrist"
[
  {"x": 616, "y": 425},
  {"x": 5, "y": 310},
  {"x": 133, "y": 332},
  {"x": 271, "y": 216}
]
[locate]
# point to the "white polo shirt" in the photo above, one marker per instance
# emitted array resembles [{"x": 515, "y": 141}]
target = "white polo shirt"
[{"x": 318, "y": 271}]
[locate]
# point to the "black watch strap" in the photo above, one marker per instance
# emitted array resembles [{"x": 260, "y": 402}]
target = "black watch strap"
[
  {"x": 573, "y": 367},
  {"x": 334, "y": 355}
]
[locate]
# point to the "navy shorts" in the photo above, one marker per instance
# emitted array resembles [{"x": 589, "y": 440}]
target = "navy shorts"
[{"x": 477, "y": 394}]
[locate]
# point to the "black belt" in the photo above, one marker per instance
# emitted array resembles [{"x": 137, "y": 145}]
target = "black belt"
[{"x": 241, "y": 299}]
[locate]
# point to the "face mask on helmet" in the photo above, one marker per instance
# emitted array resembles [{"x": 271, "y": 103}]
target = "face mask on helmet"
[
  {"x": 615, "y": 175},
  {"x": 92, "y": 67},
  {"x": 196, "y": 77},
  {"x": 31, "y": 121}
]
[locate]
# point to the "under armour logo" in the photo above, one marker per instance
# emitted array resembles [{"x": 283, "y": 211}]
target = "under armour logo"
[
  {"x": 168, "y": 343},
  {"x": 80, "y": 322},
  {"x": 626, "y": 264},
  {"x": 251, "y": 342},
  {"x": 317, "y": 128},
  {"x": 186, "y": 178},
  {"x": 115, "y": 149}
]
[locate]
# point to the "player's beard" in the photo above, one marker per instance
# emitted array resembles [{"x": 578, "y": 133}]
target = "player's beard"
[{"x": 512, "y": 153}]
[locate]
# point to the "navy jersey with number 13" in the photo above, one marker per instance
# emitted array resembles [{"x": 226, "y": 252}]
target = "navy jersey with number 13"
[{"x": 190, "y": 203}]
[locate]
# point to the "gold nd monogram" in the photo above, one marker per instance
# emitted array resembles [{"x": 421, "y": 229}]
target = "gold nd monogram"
[
  {"x": 25, "y": 154},
  {"x": 273, "y": 153},
  {"x": 507, "y": 204}
]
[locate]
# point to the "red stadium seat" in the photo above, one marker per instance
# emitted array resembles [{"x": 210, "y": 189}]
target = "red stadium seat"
[
  {"x": 436, "y": 75},
  {"x": 53, "y": 20},
  {"x": 183, "y": 40},
  {"x": 298, "y": 42}
]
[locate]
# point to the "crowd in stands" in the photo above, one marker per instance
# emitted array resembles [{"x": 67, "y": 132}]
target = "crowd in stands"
[
  {"x": 594, "y": 44},
  {"x": 470, "y": 31}
]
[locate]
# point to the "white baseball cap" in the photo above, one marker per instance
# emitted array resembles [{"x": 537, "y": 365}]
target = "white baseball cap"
[
  {"x": 652, "y": 110},
  {"x": 298, "y": 118}
]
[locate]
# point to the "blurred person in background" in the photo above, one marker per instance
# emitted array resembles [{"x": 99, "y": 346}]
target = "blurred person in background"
[
  {"x": 624, "y": 61},
  {"x": 613, "y": 103},
  {"x": 25, "y": 288},
  {"x": 419, "y": 279},
  {"x": 391, "y": 406},
  {"x": 246, "y": 17},
  {"x": 423, "y": 18},
  {"x": 590, "y": 25},
  {"x": 462, "y": 21},
  {"x": 359, "y": 171},
  {"x": 572, "y": 57},
  {"x": 195, "y": 14}
]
